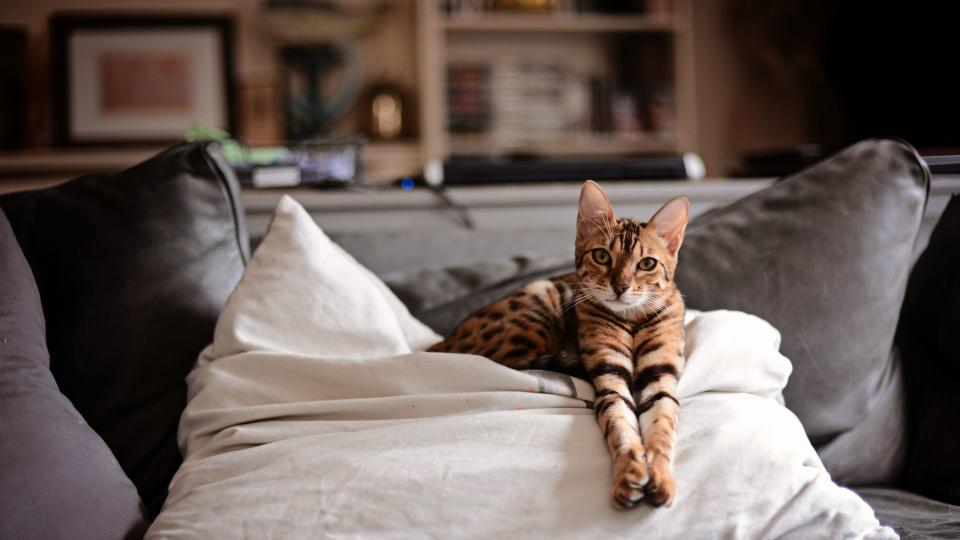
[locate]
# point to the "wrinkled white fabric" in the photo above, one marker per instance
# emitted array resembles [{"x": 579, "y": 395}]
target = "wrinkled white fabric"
[{"x": 309, "y": 417}]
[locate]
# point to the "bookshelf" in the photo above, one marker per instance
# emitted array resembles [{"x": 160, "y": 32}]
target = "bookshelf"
[
  {"x": 497, "y": 22},
  {"x": 583, "y": 47},
  {"x": 590, "y": 144}
]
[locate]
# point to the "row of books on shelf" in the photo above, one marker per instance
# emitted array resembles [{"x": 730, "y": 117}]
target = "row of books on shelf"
[
  {"x": 518, "y": 100},
  {"x": 467, "y": 7}
]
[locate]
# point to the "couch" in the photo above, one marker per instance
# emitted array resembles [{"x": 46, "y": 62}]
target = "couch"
[{"x": 113, "y": 283}]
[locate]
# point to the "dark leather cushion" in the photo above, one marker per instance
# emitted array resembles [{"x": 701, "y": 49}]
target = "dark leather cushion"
[
  {"x": 824, "y": 256},
  {"x": 927, "y": 338},
  {"x": 58, "y": 479},
  {"x": 133, "y": 269}
]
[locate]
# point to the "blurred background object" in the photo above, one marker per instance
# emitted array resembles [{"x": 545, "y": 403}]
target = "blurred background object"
[
  {"x": 752, "y": 87},
  {"x": 855, "y": 69},
  {"x": 322, "y": 73},
  {"x": 260, "y": 109},
  {"x": 556, "y": 86},
  {"x": 526, "y": 5},
  {"x": 120, "y": 79},
  {"x": 387, "y": 112}
]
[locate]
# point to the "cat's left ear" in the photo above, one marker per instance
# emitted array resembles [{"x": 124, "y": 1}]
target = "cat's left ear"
[
  {"x": 670, "y": 222},
  {"x": 595, "y": 213}
]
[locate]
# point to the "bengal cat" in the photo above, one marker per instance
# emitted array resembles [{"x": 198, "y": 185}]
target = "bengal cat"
[{"x": 618, "y": 320}]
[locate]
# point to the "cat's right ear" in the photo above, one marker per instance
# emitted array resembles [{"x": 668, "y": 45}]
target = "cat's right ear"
[{"x": 595, "y": 212}]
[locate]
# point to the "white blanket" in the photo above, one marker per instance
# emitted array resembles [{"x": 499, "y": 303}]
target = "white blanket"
[{"x": 304, "y": 421}]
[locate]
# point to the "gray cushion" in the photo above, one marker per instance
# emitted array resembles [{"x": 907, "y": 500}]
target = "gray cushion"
[
  {"x": 442, "y": 297},
  {"x": 824, "y": 256},
  {"x": 58, "y": 479}
]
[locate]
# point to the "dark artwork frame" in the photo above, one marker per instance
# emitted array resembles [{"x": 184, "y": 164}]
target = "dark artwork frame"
[
  {"x": 63, "y": 24},
  {"x": 13, "y": 91}
]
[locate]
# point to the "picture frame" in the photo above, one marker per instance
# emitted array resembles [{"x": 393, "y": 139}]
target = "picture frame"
[
  {"x": 139, "y": 79},
  {"x": 13, "y": 92}
]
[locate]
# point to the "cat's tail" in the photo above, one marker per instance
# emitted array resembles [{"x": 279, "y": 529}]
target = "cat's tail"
[{"x": 441, "y": 346}]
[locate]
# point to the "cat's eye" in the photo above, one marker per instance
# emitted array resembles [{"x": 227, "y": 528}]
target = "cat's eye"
[
  {"x": 646, "y": 264},
  {"x": 601, "y": 256}
]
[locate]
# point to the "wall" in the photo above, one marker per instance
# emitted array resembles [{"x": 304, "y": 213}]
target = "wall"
[{"x": 738, "y": 109}]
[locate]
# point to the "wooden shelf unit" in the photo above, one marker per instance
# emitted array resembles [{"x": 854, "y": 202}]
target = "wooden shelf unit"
[
  {"x": 443, "y": 37},
  {"x": 563, "y": 22},
  {"x": 590, "y": 144}
]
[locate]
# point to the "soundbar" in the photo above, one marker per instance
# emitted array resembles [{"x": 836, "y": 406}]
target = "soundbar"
[{"x": 462, "y": 170}]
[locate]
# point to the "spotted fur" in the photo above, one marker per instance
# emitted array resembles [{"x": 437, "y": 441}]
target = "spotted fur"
[{"x": 617, "y": 321}]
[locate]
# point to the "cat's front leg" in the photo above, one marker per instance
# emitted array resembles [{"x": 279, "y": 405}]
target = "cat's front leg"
[
  {"x": 659, "y": 362},
  {"x": 610, "y": 370}
]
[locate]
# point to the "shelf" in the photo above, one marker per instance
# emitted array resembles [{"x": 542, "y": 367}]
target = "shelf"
[
  {"x": 574, "y": 145},
  {"x": 48, "y": 160},
  {"x": 384, "y": 162},
  {"x": 510, "y": 22},
  {"x": 40, "y": 168}
]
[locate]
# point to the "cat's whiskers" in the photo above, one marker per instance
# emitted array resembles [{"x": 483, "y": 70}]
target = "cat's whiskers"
[
  {"x": 587, "y": 288},
  {"x": 585, "y": 294},
  {"x": 581, "y": 294},
  {"x": 567, "y": 307},
  {"x": 606, "y": 225},
  {"x": 652, "y": 306},
  {"x": 649, "y": 303},
  {"x": 669, "y": 318},
  {"x": 603, "y": 227}
]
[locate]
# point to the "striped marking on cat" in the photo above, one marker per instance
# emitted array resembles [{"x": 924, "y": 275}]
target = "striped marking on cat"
[{"x": 651, "y": 374}]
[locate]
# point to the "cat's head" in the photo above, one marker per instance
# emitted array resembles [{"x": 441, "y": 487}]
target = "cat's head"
[{"x": 621, "y": 263}]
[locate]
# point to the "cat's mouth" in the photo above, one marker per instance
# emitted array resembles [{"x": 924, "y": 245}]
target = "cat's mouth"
[
  {"x": 626, "y": 302},
  {"x": 618, "y": 304}
]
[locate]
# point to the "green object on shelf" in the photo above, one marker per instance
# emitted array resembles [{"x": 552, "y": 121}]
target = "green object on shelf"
[
  {"x": 235, "y": 152},
  {"x": 266, "y": 155}
]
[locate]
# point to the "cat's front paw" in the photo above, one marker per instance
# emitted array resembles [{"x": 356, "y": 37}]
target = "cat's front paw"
[
  {"x": 629, "y": 478},
  {"x": 660, "y": 489}
]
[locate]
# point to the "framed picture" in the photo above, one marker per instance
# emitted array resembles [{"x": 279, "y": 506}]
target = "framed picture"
[
  {"x": 13, "y": 91},
  {"x": 139, "y": 79}
]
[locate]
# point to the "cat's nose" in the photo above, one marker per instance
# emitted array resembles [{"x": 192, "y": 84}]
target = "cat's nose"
[{"x": 619, "y": 288}]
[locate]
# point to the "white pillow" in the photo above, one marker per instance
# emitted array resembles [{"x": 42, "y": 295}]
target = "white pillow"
[
  {"x": 309, "y": 416},
  {"x": 304, "y": 294}
]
